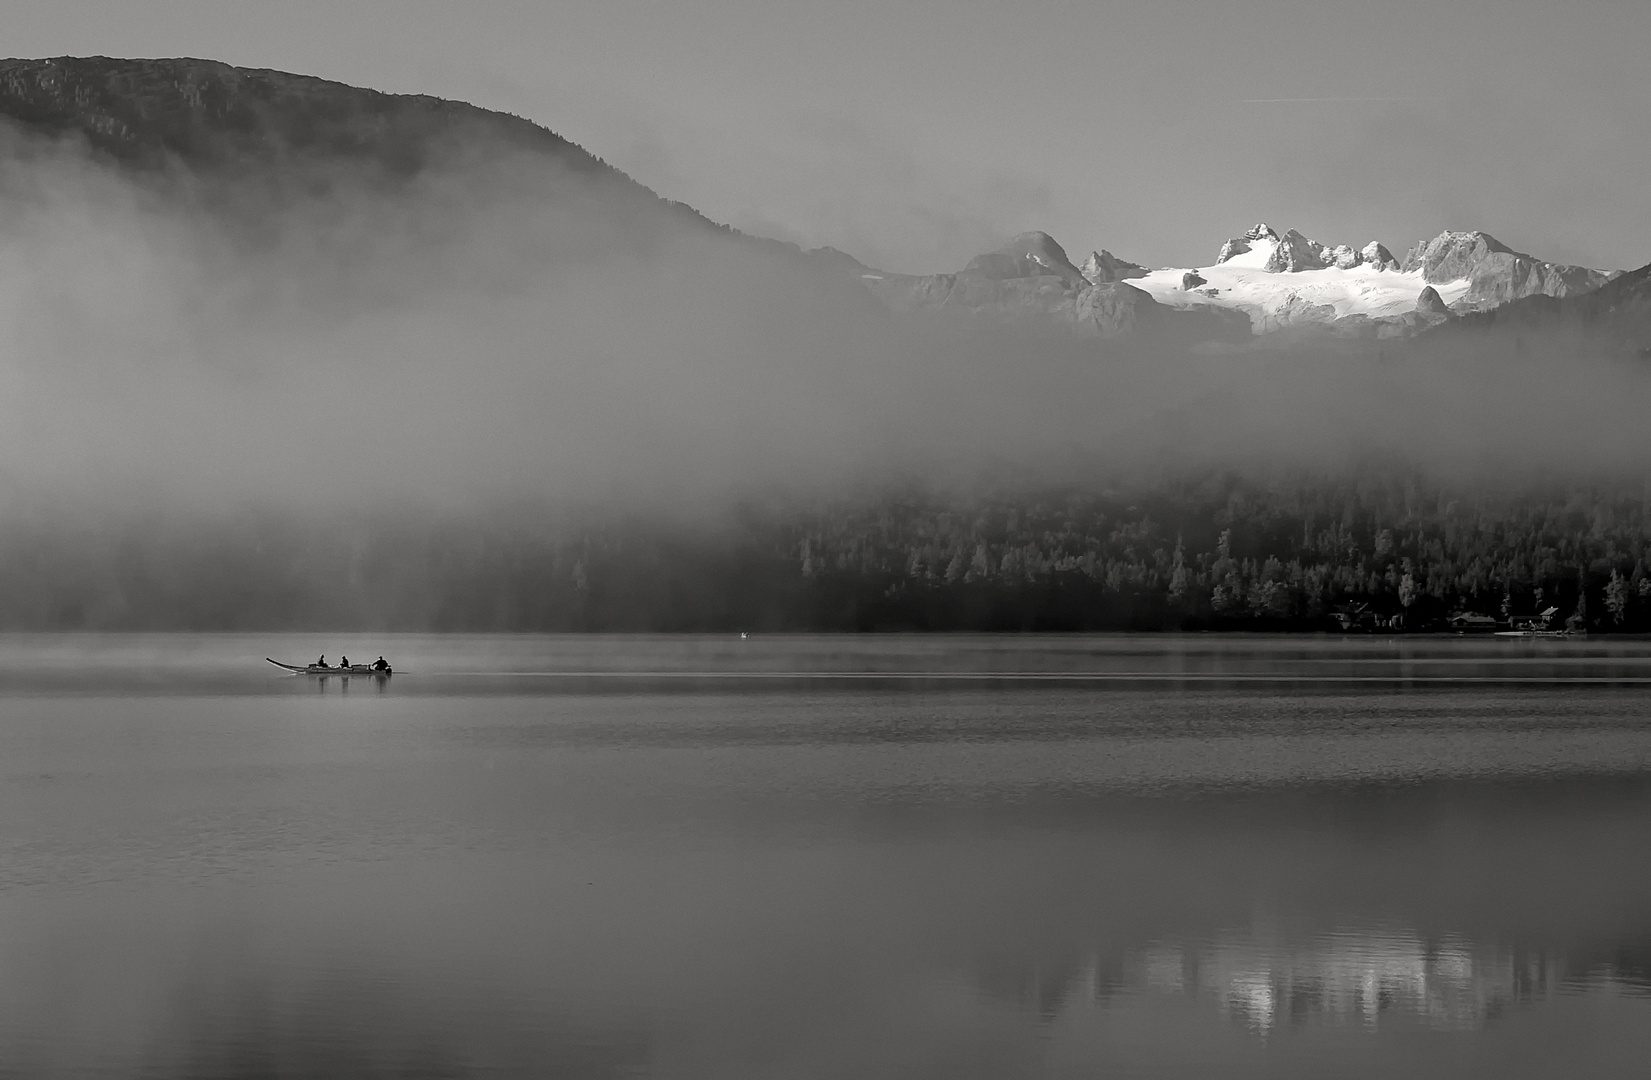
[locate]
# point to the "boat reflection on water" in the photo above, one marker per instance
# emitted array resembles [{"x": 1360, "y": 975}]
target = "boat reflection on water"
[
  {"x": 340, "y": 682},
  {"x": 1350, "y": 978}
]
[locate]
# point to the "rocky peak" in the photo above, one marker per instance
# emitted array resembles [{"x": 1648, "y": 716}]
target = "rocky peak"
[
  {"x": 1342, "y": 257},
  {"x": 1374, "y": 254},
  {"x": 1451, "y": 256},
  {"x": 1238, "y": 245},
  {"x": 1495, "y": 272},
  {"x": 1295, "y": 252},
  {"x": 1103, "y": 266},
  {"x": 1031, "y": 254}
]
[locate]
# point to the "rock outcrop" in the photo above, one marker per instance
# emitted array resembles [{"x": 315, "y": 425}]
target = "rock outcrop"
[
  {"x": 1342, "y": 257},
  {"x": 1431, "y": 303},
  {"x": 1295, "y": 252},
  {"x": 1294, "y": 311},
  {"x": 1113, "y": 309},
  {"x": 1103, "y": 266}
]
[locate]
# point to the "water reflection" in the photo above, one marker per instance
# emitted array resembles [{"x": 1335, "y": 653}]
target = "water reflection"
[
  {"x": 293, "y": 877},
  {"x": 1346, "y": 977},
  {"x": 340, "y": 684},
  {"x": 1354, "y": 978}
]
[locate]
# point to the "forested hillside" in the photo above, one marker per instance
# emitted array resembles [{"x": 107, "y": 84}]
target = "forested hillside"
[{"x": 1214, "y": 553}]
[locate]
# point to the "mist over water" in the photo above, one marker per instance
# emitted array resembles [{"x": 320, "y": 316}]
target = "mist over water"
[{"x": 1254, "y": 864}]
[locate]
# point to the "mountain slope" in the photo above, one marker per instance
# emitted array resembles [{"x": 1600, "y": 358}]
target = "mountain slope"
[
  {"x": 1031, "y": 277},
  {"x": 242, "y": 136},
  {"x": 209, "y": 116},
  {"x": 245, "y": 147},
  {"x": 1494, "y": 272},
  {"x": 1614, "y": 318}
]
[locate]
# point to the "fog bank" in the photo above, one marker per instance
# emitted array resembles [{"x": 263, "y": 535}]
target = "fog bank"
[{"x": 500, "y": 332}]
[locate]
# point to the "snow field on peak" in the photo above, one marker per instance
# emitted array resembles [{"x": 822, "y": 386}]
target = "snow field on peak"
[
  {"x": 1254, "y": 259},
  {"x": 1242, "y": 284}
]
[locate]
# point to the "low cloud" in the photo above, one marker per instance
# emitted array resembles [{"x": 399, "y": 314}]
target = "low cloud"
[{"x": 503, "y": 332}]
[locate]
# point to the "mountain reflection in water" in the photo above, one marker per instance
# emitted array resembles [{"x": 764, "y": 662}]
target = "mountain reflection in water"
[
  {"x": 1157, "y": 1006},
  {"x": 1355, "y": 977}
]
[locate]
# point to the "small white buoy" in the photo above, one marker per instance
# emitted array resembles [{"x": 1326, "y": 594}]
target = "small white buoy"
[{"x": 742, "y": 635}]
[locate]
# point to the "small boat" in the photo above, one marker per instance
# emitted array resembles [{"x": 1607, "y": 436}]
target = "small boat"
[{"x": 318, "y": 669}]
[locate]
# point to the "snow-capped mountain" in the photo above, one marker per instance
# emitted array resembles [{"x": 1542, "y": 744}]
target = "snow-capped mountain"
[
  {"x": 1270, "y": 280},
  {"x": 1294, "y": 252},
  {"x": 1285, "y": 279}
]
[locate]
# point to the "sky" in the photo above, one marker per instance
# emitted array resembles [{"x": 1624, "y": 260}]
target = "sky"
[{"x": 917, "y": 134}]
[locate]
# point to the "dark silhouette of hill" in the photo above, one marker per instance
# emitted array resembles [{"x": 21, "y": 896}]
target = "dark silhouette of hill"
[
  {"x": 210, "y": 115},
  {"x": 240, "y": 128},
  {"x": 1614, "y": 319}
]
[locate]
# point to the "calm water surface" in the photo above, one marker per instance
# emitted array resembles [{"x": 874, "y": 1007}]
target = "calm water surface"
[{"x": 826, "y": 857}]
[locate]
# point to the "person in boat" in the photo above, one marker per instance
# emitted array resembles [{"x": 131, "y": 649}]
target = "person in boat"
[
  {"x": 322, "y": 662},
  {"x": 343, "y": 661},
  {"x": 380, "y": 665}
]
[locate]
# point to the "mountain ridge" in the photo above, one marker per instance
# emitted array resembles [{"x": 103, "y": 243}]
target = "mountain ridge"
[
  {"x": 264, "y": 130},
  {"x": 1278, "y": 280},
  {"x": 205, "y": 111},
  {"x": 248, "y": 129}
]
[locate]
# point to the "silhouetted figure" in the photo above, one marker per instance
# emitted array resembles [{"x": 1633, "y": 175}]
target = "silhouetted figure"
[
  {"x": 380, "y": 665},
  {"x": 322, "y": 662},
  {"x": 343, "y": 661}
]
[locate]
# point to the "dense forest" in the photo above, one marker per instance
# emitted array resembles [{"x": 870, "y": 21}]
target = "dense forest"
[{"x": 1213, "y": 552}]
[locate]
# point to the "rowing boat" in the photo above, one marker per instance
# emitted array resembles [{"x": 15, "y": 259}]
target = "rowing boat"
[{"x": 318, "y": 669}]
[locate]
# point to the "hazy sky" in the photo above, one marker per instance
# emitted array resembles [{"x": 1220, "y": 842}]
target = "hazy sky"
[{"x": 915, "y": 134}]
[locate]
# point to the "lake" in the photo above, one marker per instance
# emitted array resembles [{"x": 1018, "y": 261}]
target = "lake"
[{"x": 1159, "y": 856}]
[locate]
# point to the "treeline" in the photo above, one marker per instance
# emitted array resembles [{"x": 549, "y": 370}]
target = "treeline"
[
  {"x": 1215, "y": 552},
  {"x": 1221, "y": 554}
]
